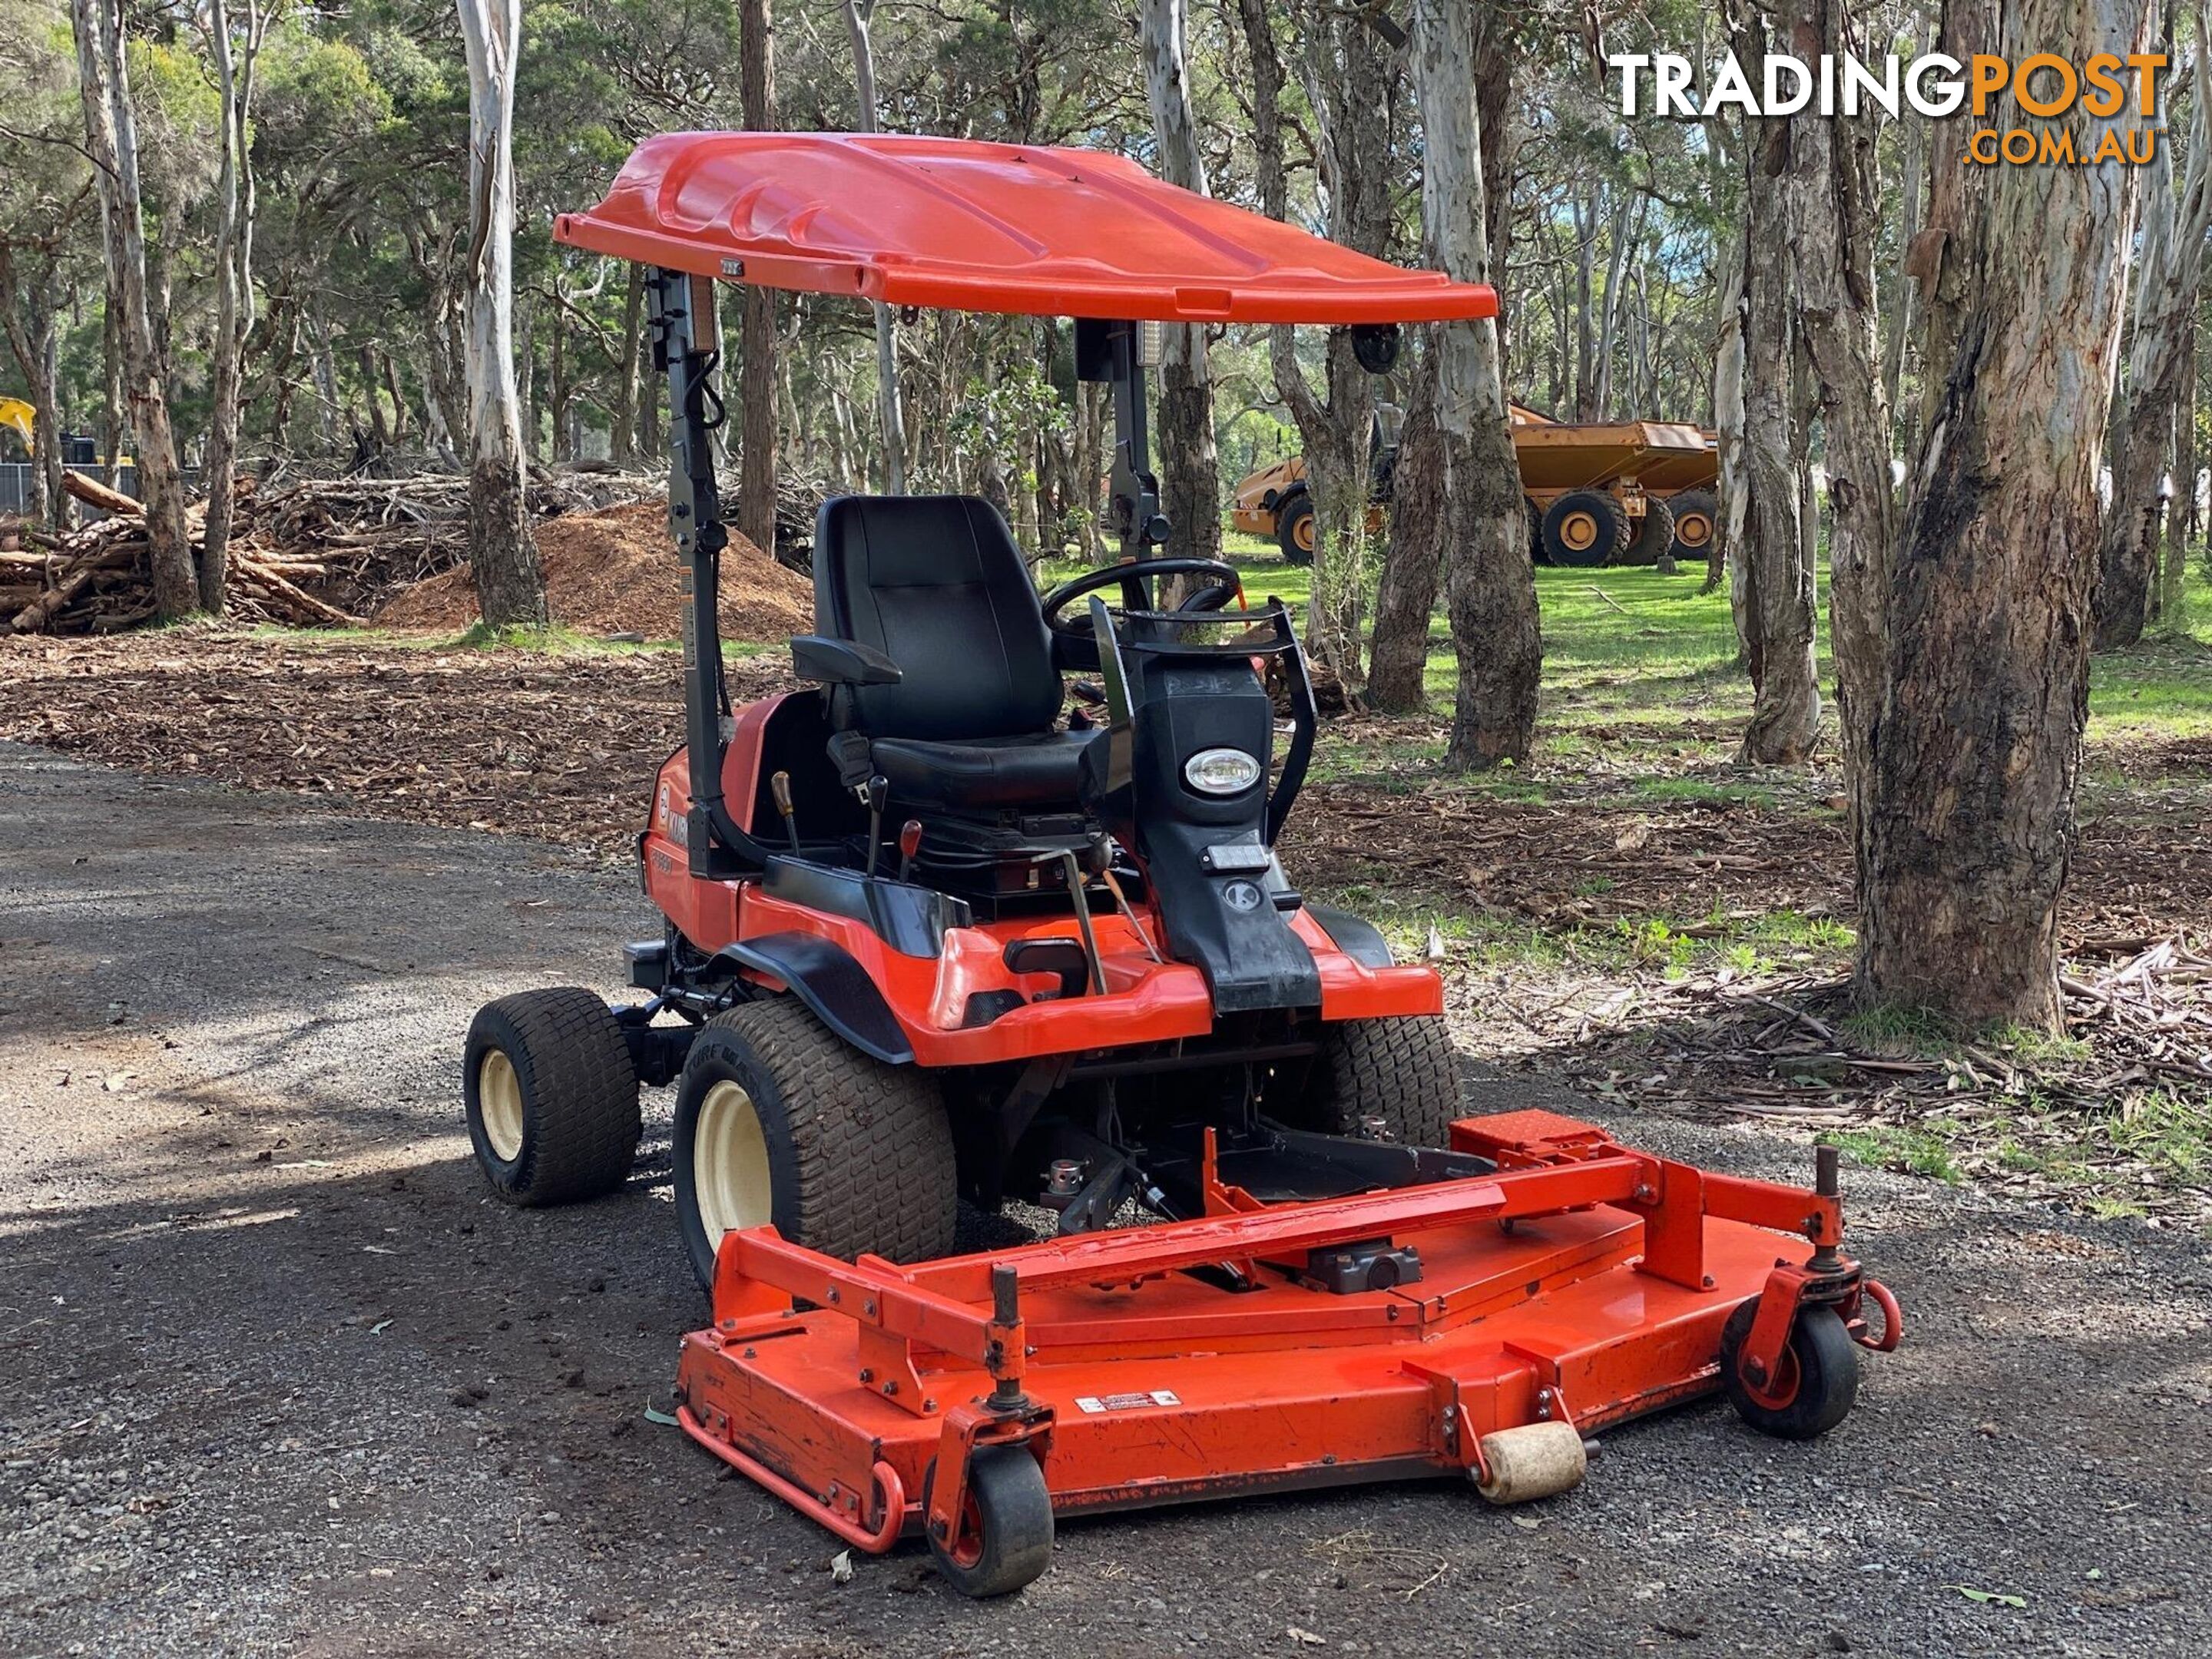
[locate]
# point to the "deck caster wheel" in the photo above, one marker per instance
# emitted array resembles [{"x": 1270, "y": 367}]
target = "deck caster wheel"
[
  {"x": 780, "y": 1121},
  {"x": 552, "y": 1097},
  {"x": 1005, "y": 1536},
  {"x": 1818, "y": 1379}
]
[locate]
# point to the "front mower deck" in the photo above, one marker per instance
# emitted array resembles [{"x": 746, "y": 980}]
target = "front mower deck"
[{"x": 1578, "y": 1284}]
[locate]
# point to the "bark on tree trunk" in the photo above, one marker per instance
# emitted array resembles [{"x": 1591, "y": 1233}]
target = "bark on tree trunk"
[
  {"x": 111, "y": 143},
  {"x": 1348, "y": 72},
  {"x": 2180, "y": 514},
  {"x": 1490, "y": 587},
  {"x": 1398, "y": 659},
  {"x": 757, "y": 341},
  {"x": 1832, "y": 213},
  {"x": 1721, "y": 559},
  {"x": 2168, "y": 274},
  {"x": 1189, "y": 468},
  {"x": 234, "y": 68},
  {"x": 30, "y": 289},
  {"x": 1413, "y": 559},
  {"x": 114, "y": 417},
  {"x": 1896, "y": 321},
  {"x": 502, "y": 555},
  {"x": 1779, "y": 606},
  {"x": 622, "y": 438},
  {"x": 1966, "y": 795}
]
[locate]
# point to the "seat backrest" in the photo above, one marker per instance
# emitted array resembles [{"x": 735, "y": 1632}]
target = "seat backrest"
[{"x": 936, "y": 584}]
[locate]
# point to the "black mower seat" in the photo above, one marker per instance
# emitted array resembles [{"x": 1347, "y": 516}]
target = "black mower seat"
[{"x": 937, "y": 584}]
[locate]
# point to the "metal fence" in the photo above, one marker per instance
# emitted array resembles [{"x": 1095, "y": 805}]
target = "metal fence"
[{"x": 17, "y": 491}]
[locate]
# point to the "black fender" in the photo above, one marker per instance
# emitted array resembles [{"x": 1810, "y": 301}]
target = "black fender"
[
  {"x": 832, "y": 984},
  {"x": 1357, "y": 937}
]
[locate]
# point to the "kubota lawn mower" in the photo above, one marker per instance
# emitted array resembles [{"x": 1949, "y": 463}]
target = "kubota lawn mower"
[{"x": 929, "y": 937}]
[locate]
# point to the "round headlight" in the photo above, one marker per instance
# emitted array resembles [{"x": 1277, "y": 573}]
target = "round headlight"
[{"x": 1221, "y": 771}]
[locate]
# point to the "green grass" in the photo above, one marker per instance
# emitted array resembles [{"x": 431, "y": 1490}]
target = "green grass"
[{"x": 1924, "y": 1150}]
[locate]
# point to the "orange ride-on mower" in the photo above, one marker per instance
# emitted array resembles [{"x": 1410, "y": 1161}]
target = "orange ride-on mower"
[{"x": 930, "y": 937}]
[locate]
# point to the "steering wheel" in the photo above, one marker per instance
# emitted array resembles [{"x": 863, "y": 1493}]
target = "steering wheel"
[{"x": 1225, "y": 586}]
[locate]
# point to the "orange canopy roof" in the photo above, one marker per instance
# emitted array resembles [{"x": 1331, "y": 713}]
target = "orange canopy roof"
[{"x": 963, "y": 226}]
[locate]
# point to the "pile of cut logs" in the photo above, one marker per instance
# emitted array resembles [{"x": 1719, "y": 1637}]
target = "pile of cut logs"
[
  {"x": 310, "y": 552},
  {"x": 97, "y": 579}
]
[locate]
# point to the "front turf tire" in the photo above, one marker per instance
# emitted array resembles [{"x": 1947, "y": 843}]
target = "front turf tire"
[
  {"x": 780, "y": 1121},
  {"x": 1401, "y": 1071},
  {"x": 551, "y": 1096}
]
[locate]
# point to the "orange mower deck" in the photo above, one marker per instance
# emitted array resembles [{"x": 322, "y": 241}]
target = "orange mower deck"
[{"x": 1581, "y": 1285}]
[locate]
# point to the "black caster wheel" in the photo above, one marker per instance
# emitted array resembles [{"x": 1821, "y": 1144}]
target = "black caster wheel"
[
  {"x": 1818, "y": 1378},
  {"x": 1004, "y": 1539}
]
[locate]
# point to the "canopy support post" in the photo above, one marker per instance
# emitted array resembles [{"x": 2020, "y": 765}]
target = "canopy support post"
[
  {"x": 1112, "y": 352},
  {"x": 686, "y": 346}
]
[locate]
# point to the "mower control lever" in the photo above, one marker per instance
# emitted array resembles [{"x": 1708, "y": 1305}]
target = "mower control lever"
[
  {"x": 875, "y": 793},
  {"x": 909, "y": 844},
  {"x": 780, "y": 787}
]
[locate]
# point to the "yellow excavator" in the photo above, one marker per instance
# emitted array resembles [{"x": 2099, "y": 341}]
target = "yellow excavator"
[{"x": 19, "y": 417}]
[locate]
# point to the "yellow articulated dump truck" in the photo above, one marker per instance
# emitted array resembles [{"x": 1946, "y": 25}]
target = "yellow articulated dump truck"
[{"x": 1624, "y": 492}]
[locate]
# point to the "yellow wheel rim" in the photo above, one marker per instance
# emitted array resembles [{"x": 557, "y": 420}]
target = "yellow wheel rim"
[
  {"x": 1578, "y": 531},
  {"x": 1302, "y": 533},
  {"x": 1693, "y": 529},
  {"x": 729, "y": 1163},
  {"x": 499, "y": 1103}
]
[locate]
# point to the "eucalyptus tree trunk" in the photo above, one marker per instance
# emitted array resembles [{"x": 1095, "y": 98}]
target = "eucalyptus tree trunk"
[
  {"x": 1190, "y": 492},
  {"x": 1490, "y": 585},
  {"x": 111, "y": 145},
  {"x": 889, "y": 423},
  {"x": 502, "y": 555},
  {"x": 756, "y": 338},
  {"x": 1897, "y": 320},
  {"x": 2166, "y": 280},
  {"x": 1963, "y": 792},
  {"x": 629, "y": 373},
  {"x": 1833, "y": 217},
  {"x": 1347, "y": 70},
  {"x": 234, "y": 67},
  {"x": 2181, "y": 509},
  {"x": 1413, "y": 558},
  {"x": 1729, "y": 525},
  {"x": 31, "y": 288},
  {"x": 1771, "y": 577}
]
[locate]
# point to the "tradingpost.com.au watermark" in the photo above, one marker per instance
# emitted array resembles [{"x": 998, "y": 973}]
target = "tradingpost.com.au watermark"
[{"x": 2045, "y": 87}]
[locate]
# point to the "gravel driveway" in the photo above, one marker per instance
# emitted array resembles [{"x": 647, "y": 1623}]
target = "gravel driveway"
[{"x": 276, "y": 1377}]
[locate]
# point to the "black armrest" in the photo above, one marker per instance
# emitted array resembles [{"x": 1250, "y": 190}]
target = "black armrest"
[{"x": 840, "y": 662}]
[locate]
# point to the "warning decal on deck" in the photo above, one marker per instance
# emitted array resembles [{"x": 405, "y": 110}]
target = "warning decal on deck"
[{"x": 1094, "y": 1403}]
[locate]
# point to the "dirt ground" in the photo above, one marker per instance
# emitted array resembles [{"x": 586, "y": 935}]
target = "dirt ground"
[
  {"x": 608, "y": 573},
  {"x": 277, "y": 1377}
]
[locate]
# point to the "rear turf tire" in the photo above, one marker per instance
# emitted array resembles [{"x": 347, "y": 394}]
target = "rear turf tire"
[
  {"x": 1402, "y": 1070},
  {"x": 551, "y": 1096},
  {"x": 1006, "y": 1532},
  {"x": 779, "y": 1121}
]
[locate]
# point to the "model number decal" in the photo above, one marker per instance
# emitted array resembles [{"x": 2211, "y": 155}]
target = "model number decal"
[{"x": 1091, "y": 1404}]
